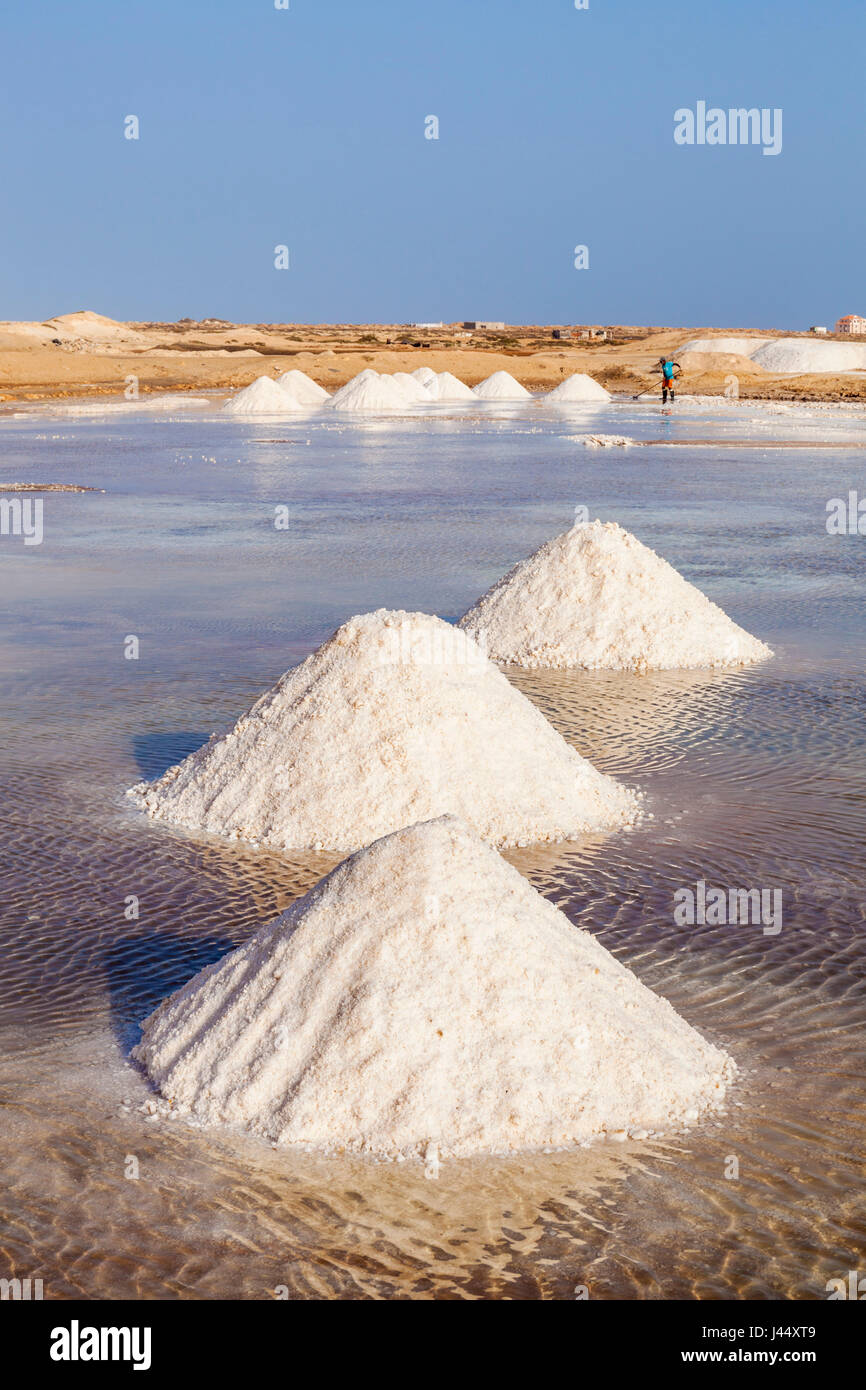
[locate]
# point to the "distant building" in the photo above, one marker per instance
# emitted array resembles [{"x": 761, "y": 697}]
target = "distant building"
[
  {"x": 852, "y": 324},
  {"x": 427, "y": 325},
  {"x": 590, "y": 330},
  {"x": 818, "y": 328},
  {"x": 562, "y": 332},
  {"x": 482, "y": 323}
]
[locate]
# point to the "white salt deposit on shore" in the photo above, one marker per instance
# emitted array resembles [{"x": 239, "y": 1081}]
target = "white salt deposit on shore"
[
  {"x": 262, "y": 397},
  {"x": 578, "y": 387},
  {"x": 596, "y": 597},
  {"x": 423, "y": 1001},
  {"x": 369, "y": 391},
  {"x": 397, "y": 718},
  {"x": 501, "y": 386},
  {"x": 602, "y": 441},
  {"x": 303, "y": 388}
]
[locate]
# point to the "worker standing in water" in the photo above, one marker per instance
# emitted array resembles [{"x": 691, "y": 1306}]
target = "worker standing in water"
[{"x": 670, "y": 370}]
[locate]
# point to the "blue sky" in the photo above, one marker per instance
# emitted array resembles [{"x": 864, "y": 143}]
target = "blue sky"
[{"x": 306, "y": 127}]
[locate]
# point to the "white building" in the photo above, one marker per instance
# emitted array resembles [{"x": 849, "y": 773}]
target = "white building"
[{"x": 852, "y": 324}]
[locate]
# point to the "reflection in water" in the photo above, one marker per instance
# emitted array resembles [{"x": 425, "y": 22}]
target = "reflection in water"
[{"x": 753, "y": 778}]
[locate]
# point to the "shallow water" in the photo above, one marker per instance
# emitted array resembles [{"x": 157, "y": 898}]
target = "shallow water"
[{"x": 753, "y": 779}]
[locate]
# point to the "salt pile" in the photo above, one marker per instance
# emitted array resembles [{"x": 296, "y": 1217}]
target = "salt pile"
[
  {"x": 743, "y": 347},
  {"x": 398, "y": 717},
  {"x": 425, "y": 375},
  {"x": 303, "y": 388},
  {"x": 578, "y": 387},
  {"x": 450, "y": 388},
  {"x": 596, "y": 597},
  {"x": 501, "y": 386},
  {"x": 424, "y": 1001},
  {"x": 369, "y": 391},
  {"x": 800, "y": 355},
  {"x": 262, "y": 397},
  {"x": 414, "y": 391},
  {"x": 794, "y": 356}
]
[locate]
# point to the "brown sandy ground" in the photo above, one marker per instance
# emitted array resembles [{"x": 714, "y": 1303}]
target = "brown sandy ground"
[{"x": 85, "y": 354}]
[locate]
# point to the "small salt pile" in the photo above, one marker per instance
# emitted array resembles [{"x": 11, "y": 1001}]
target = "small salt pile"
[
  {"x": 424, "y": 1002},
  {"x": 369, "y": 391},
  {"x": 451, "y": 388},
  {"x": 596, "y": 597},
  {"x": 602, "y": 441},
  {"x": 578, "y": 387},
  {"x": 262, "y": 397},
  {"x": 414, "y": 391},
  {"x": 303, "y": 388},
  {"x": 425, "y": 375},
  {"x": 501, "y": 386},
  {"x": 398, "y": 717}
]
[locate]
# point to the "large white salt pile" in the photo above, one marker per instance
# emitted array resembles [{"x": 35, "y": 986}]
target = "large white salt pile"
[
  {"x": 596, "y": 597},
  {"x": 303, "y": 388},
  {"x": 578, "y": 387},
  {"x": 424, "y": 374},
  {"x": 743, "y": 347},
  {"x": 262, "y": 397},
  {"x": 414, "y": 391},
  {"x": 396, "y": 718},
  {"x": 501, "y": 386},
  {"x": 447, "y": 387},
  {"x": 424, "y": 1001},
  {"x": 369, "y": 391},
  {"x": 801, "y": 355}
]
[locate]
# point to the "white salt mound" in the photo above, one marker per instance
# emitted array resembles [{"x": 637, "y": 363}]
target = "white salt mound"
[
  {"x": 424, "y": 374},
  {"x": 596, "y": 597},
  {"x": 501, "y": 386},
  {"x": 262, "y": 397},
  {"x": 369, "y": 391},
  {"x": 744, "y": 347},
  {"x": 414, "y": 391},
  {"x": 578, "y": 387},
  {"x": 303, "y": 388},
  {"x": 602, "y": 441},
  {"x": 800, "y": 355},
  {"x": 398, "y": 717},
  {"x": 424, "y": 1001},
  {"x": 450, "y": 388},
  {"x": 787, "y": 355}
]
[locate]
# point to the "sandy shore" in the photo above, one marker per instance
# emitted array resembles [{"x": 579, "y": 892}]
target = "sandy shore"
[{"x": 85, "y": 354}]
